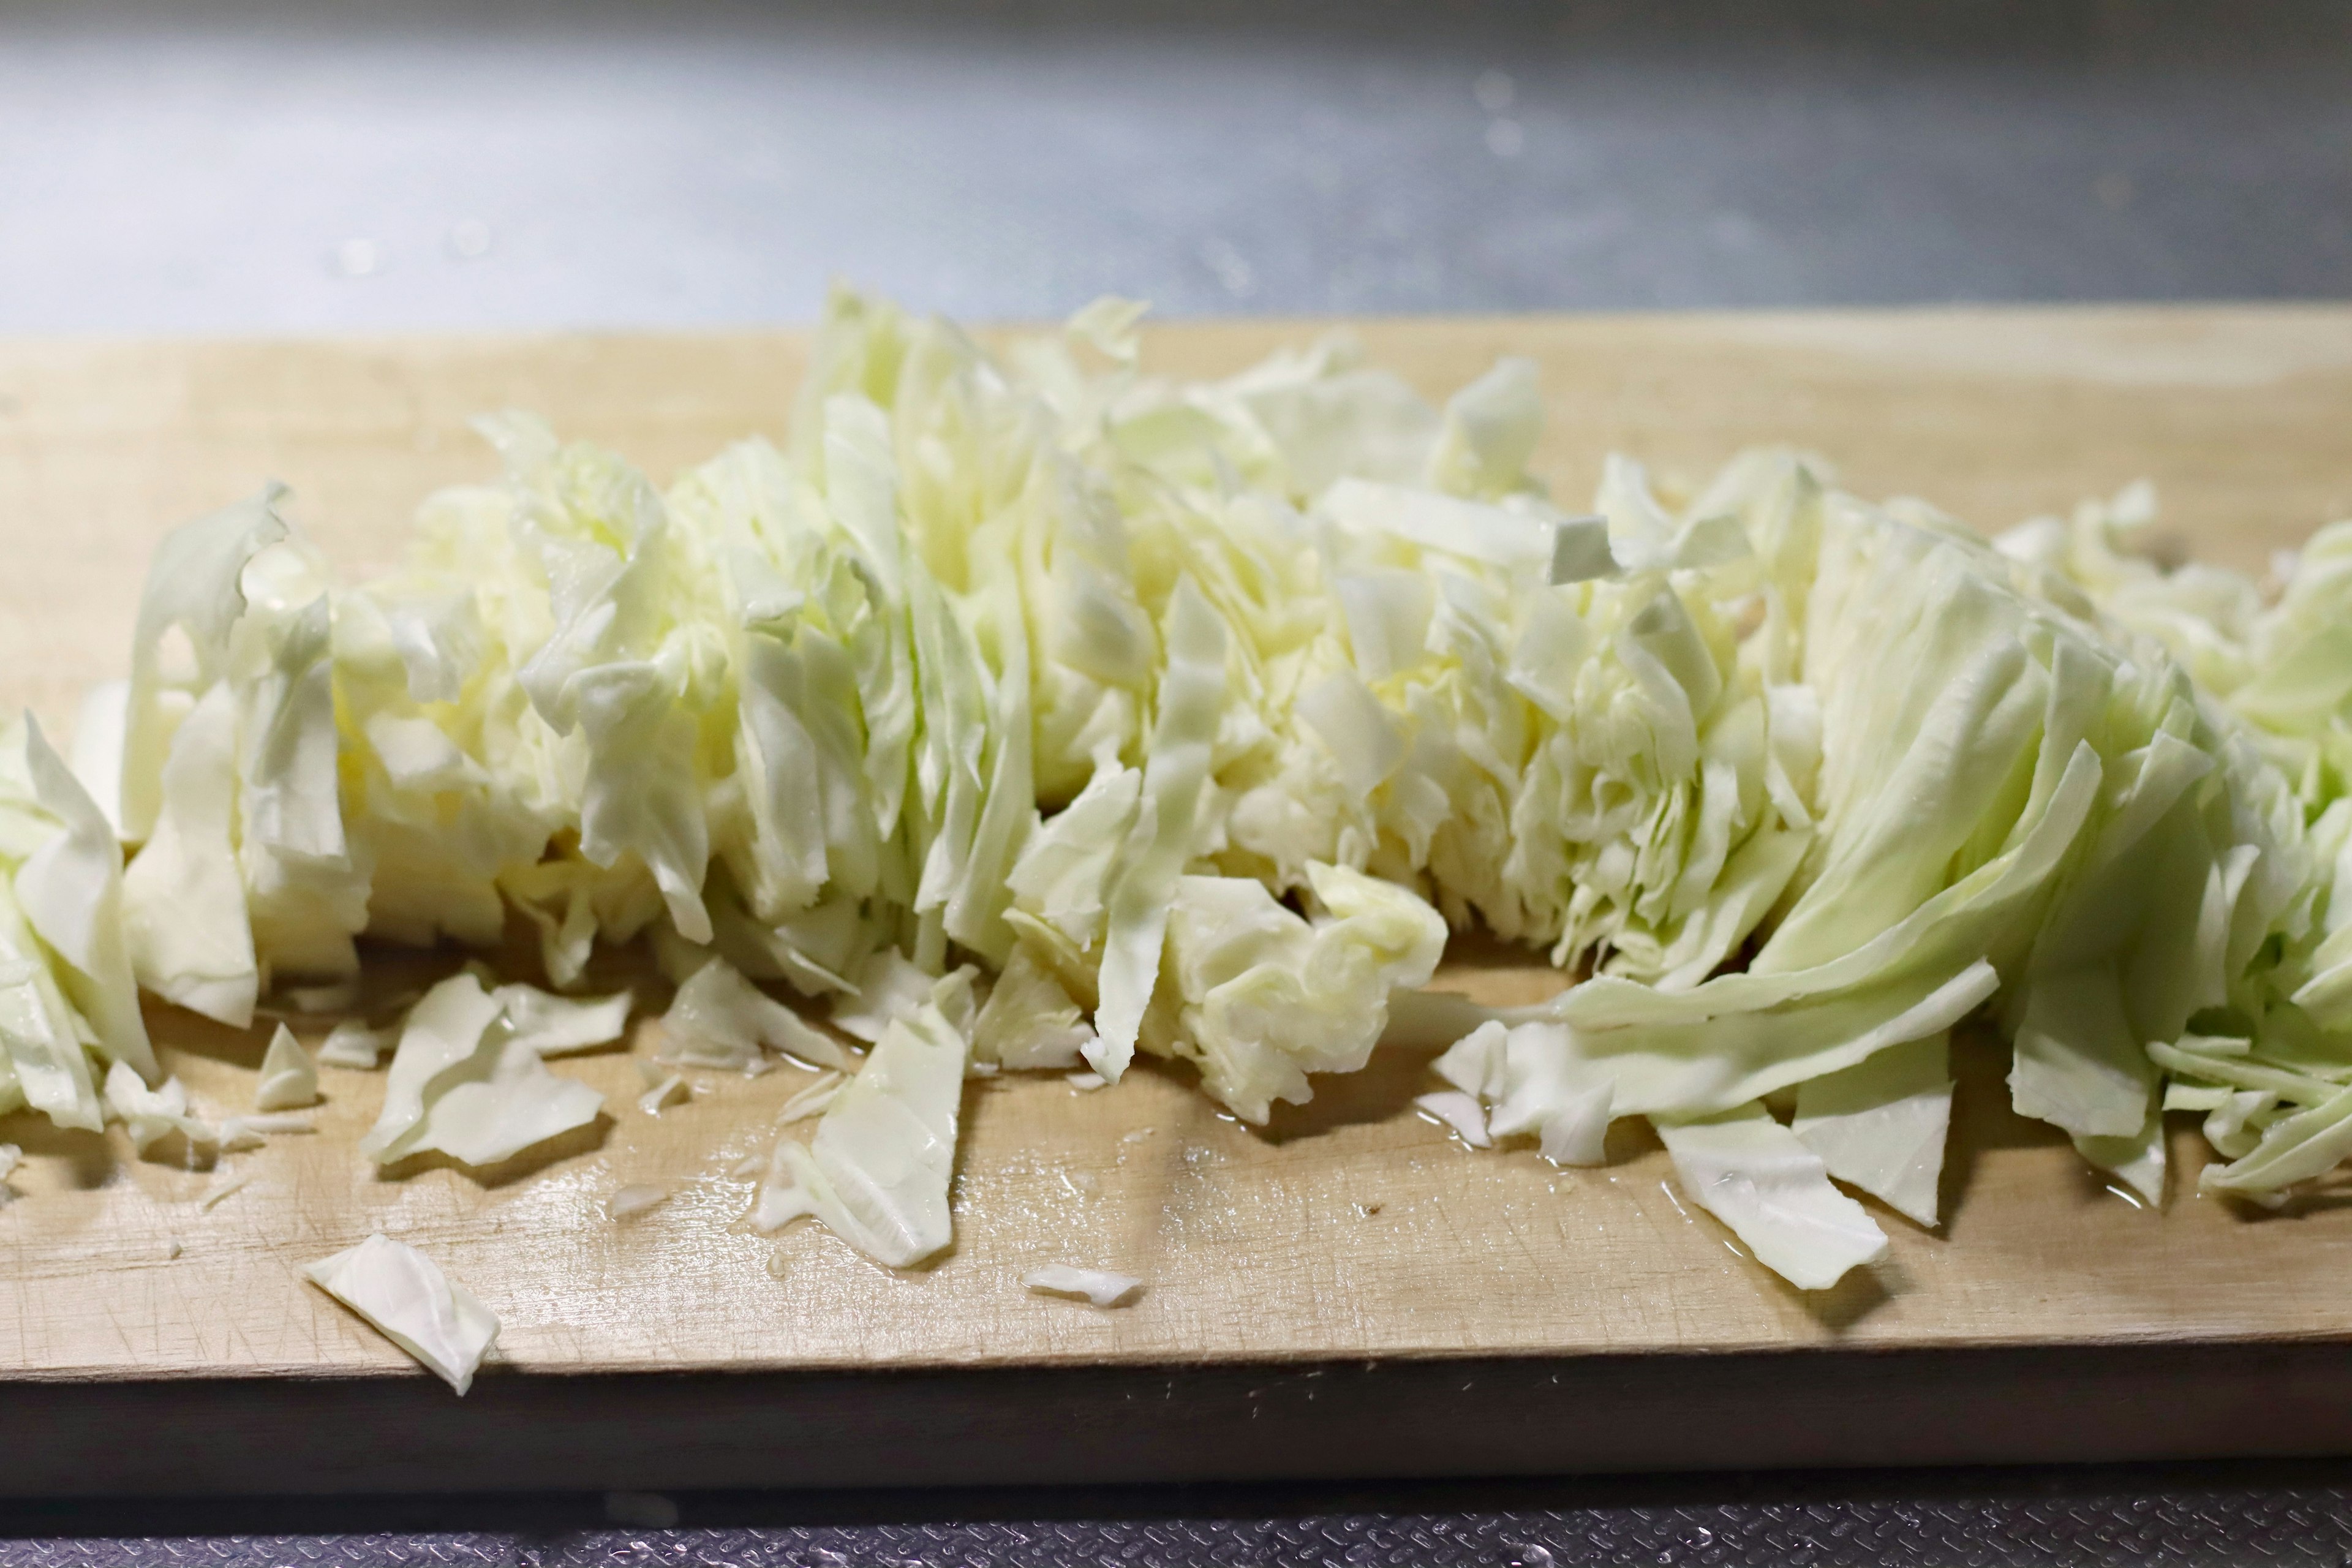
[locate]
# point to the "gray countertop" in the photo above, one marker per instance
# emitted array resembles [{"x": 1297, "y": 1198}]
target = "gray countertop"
[
  {"x": 277, "y": 167},
  {"x": 2217, "y": 1517},
  {"x": 219, "y": 168}
]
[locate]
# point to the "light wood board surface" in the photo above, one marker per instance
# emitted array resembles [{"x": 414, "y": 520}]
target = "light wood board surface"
[{"x": 1357, "y": 1230}]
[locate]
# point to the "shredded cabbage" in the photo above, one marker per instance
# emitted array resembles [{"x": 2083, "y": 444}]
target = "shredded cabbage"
[{"x": 1031, "y": 712}]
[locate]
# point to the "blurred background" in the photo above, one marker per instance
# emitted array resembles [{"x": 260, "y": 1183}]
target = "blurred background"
[{"x": 233, "y": 165}]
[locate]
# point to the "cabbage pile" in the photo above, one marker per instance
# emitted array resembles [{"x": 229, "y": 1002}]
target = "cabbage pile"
[{"x": 1029, "y": 712}]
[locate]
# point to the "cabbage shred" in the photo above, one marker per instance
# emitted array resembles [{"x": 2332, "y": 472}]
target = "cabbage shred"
[{"x": 1030, "y": 710}]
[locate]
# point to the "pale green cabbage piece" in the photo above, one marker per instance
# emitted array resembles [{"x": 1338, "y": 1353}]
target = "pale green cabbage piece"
[
  {"x": 463, "y": 1083},
  {"x": 1029, "y": 1022},
  {"x": 1880, "y": 1125},
  {"x": 96, "y": 754},
  {"x": 1761, "y": 1180},
  {"x": 71, "y": 892},
  {"x": 1532, "y": 1083},
  {"x": 720, "y": 1019},
  {"x": 876, "y": 1172},
  {"x": 193, "y": 598},
  {"x": 557, "y": 1026},
  {"x": 42, "y": 1045},
  {"x": 1034, "y": 709},
  {"x": 1259, "y": 996},
  {"x": 885, "y": 988},
  {"x": 184, "y": 907},
  {"x": 408, "y": 1298},
  {"x": 813, "y": 1100}
]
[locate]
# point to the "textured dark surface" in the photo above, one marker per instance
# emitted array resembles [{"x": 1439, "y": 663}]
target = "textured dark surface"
[
  {"x": 1370, "y": 1425},
  {"x": 2217, "y": 1515}
]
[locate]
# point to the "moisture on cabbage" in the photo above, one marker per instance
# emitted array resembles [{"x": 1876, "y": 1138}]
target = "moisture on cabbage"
[{"x": 1024, "y": 710}]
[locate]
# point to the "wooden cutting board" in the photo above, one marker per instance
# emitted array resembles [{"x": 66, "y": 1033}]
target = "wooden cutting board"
[{"x": 1350, "y": 1292}]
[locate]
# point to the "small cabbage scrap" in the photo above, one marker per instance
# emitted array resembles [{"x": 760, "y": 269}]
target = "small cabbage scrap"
[
  {"x": 290, "y": 1079},
  {"x": 1459, "y": 1114},
  {"x": 329, "y": 998},
  {"x": 246, "y": 1131},
  {"x": 152, "y": 1115},
  {"x": 223, "y": 1188},
  {"x": 352, "y": 1044},
  {"x": 670, "y": 1089},
  {"x": 1100, "y": 1287},
  {"x": 628, "y": 1201},
  {"x": 408, "y": 1299}
]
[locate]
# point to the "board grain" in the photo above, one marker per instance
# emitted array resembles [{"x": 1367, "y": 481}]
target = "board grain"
[{"x": 1352, "y": 1235}]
